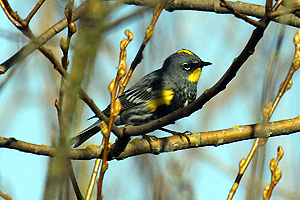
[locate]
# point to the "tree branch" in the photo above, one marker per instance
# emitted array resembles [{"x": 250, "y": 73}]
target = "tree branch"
[
  {"x": 167, "y": 144},
  {"x": 248, "y": 9},
  {"x": 42, "y": 39},
  {"x": 91, "y": 152},
  {"x": 201, "y": 5}
]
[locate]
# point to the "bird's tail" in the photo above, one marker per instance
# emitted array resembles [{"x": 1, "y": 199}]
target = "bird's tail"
[{"x": 86, "y": 134}]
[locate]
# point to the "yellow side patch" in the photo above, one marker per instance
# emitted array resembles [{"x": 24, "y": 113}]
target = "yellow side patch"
[
  {"x": 194, "y": 77},
  {"x": 185, "y": 51},
  {"x": 166, "y": 97}
]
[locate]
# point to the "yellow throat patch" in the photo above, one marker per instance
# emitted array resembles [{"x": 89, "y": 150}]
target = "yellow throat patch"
[
  {"x": 194, "y": 77},
  {"x": 185, "y": 51},
  {"x": 166, "y": 97}
]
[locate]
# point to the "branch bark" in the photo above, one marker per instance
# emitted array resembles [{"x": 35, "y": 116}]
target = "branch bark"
[
  {"x": 167, "y": 144},
  {"x": 248, "y": 9}
]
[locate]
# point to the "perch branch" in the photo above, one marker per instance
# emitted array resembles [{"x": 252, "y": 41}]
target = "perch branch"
[{"x": 167, "y": 144}]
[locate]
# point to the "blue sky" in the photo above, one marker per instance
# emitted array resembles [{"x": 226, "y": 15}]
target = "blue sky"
[{"x": 27, "y": 112}]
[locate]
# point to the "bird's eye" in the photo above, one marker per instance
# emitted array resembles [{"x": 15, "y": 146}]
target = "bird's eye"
[{"x": 186, "y": 66}]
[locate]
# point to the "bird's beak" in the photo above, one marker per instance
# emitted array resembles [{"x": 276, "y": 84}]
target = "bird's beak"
[{"x": 205, "y": 63}]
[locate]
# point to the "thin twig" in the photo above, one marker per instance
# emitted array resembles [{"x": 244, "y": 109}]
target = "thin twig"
[
  {"x": 239, "y": 15},
  {"x": 93, "y": 179},
  {"x": 65, "y": 46},
  {"x": 10, "y": 13},
  {"x": 286, "y": 84},
  {"x": 138, "y": 58},
  {"x": 269, "y": 109},
  {"x": 74, "y": 182},
  {"x": 65, "y": 43},
  {"x": 115, "y": 108},
  {"x": 5, "y": 196},
  {"x": 275, "y": 174},
  {"x": 42, "y": 39},
  {"x": 33, "y": 11},
  {"x": 277, "y": 4},
  {"x": 82, "y": 94},
  {"x": 286, "y": 11},
  {"x": 244, "y": 163}
]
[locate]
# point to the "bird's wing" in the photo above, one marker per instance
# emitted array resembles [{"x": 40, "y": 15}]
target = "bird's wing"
[{"x": 143, "y": 91}]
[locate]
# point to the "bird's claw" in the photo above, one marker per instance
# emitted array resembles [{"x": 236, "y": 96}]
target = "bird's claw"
[{"x": 149, "y": 138}]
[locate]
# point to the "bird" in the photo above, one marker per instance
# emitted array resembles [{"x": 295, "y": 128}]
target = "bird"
[{"x": 155, "y": 95}]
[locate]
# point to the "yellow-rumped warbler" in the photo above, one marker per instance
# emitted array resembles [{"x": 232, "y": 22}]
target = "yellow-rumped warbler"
[{"x": 157, "y": 94}]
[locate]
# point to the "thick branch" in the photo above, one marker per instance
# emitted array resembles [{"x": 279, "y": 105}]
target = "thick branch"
[
  {"x": 211, "y": 138},
  {"x": 248, "y": 9},
  {"x": 168, "y": 144}
]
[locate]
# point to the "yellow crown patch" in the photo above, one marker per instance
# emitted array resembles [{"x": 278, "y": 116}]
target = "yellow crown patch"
[{"x": 185, "y": 51}]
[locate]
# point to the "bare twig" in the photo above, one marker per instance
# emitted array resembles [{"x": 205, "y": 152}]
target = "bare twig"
[
  {"x": 239, "y": 15},
  {"x": 93, "y": 179},
  {"x": 287, "y": 83},
  {"x": 275, "y": 174},
  {"x": 138, "y": 58},
  {"x": 286, "y": 11},
  {"x": 244, "y": 163},
  {"x": 82, "y": 94},
  {"x": 10, "y": 13},
  {"x": 65, "y": 47},
  {"x": 5, "y": 196},
  {"x": 269, "y": 108},
  {"x": 33, "y": 11},
  {"x": 65, "y": 43},
  {"x": 42, "y": 39},
  {"x": 115, "y": 107},
  {"x": 74, "y": 182},
  {"x": 275, "y": 7}
]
